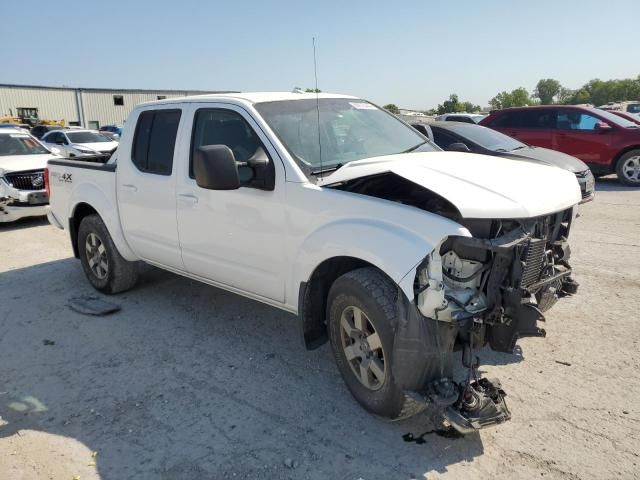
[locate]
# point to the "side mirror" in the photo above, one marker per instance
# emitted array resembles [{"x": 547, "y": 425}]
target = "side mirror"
[
  {"x": 262, "y": 169},
  {"x": 458, "y": 147},
  {"x": 602, "y": 127},
  {"x": 215, "y": 168}
]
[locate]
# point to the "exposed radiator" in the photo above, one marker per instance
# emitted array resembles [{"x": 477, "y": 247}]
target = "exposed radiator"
[{"x": 533, "y": 261}]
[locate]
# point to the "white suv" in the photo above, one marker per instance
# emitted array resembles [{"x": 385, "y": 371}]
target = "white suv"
[{"x": 22, "y": 162}]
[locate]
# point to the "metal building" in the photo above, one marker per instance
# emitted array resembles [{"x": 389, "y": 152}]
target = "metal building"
[{"x": 87, "y": 107}]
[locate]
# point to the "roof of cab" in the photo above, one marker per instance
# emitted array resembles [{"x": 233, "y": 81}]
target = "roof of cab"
[{"x": 250, "y": 97}]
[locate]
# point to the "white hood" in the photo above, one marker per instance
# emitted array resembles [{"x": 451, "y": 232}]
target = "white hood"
[
  {"x": 99, "y": 146},
  {"x": 18, "y": 163},
  {"x": 479, "y": 186}
]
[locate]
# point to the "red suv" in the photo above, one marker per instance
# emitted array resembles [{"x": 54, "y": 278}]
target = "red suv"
[{"x": 604, "y": 141}]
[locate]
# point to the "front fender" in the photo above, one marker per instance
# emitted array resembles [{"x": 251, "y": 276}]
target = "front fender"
[
  {"x": 392, "y": 249},
  {"x": 99, "y": 200}
]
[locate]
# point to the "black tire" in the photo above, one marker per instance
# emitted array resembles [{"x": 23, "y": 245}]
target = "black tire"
[
  {"x": 119, "y": 274},
  {"x": 624, "y": 168},
  {"x": 368, "y": 290}
]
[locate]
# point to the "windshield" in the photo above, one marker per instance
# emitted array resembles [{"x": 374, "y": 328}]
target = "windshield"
[
  {"x": 488, "y": 138},
  {"x": 20, "y": 144},
  {"x": 616, "y": 120},
  {"x": 349, "y": 130},
  {"x": 87, "y": 137},
  {"x": 633, "y": 108}
]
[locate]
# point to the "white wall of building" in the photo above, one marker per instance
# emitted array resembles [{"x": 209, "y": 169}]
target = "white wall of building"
[
  {"x": 87, "y": 107},
  {"x": 52, "y": 104}
]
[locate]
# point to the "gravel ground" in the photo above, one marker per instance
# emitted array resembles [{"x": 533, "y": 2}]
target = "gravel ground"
[{"x": 190, "y": 382}]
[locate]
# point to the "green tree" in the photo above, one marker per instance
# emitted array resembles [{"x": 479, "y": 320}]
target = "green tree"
[
  {"x": 392, "y": 108},
  {"x": 546, "y": 90},
  {"x": 453, "y": 104},
  {"x": 564, "y": 94},
  {"x": 516, "y": 98}
]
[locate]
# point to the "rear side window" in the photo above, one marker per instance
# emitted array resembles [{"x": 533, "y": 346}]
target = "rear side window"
[
  {"x": 442, "y": 139},
  {"x": 538, "y": 119},
  {"x": 459, "y": 118},
  {"x": 155, "y": 141},
  {"x": 506, "y": 120}
]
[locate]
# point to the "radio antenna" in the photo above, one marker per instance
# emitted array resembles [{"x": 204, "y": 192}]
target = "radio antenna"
[{"x": 315, "y": 74}]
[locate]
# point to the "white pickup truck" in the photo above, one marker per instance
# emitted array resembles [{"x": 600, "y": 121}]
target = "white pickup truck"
[{"x": 329, "y": 207}]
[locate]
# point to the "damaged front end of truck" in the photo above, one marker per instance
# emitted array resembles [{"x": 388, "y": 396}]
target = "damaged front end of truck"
[{"x": 488, "y": 289}]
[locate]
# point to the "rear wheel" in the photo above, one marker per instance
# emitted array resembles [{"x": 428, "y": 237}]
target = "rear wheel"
[
  {"x": 628, "y": 168},
  {"x": 361, "y": 311},
  {"x": 103, "y": 265}
]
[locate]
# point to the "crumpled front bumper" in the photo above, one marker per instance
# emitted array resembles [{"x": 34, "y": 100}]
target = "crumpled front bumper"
[
  {"x": 16, "y": 204},
  {"x": 10, "y": 213}
]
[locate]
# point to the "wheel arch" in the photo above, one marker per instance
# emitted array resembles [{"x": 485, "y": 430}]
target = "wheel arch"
[
  {"x": 87, "y": 200},
  {"x": 313, "y": 293},
  {"x": 614, "y": 164}
]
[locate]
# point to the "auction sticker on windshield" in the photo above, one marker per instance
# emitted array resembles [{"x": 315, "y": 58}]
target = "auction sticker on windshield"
[{"x": 363, "y": 106}]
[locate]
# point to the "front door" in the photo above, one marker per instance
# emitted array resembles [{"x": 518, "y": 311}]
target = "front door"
[
  {"x": 146, "y": 187},
  {"x": 576, "y": 134},
  {"x": 232, "y": 237}
]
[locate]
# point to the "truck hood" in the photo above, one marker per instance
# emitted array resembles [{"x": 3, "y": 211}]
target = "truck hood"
[
  {"x": 18, "y": 163},
  {"x": 479, "y": 186}
]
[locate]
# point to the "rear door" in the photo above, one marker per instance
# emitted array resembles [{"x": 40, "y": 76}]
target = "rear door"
[
  {"x": 576, "y": 135},
  {"x": 533, "y": 126},
  {"x": 232, "y": 237},
  {"x": 146, "y": 187}
]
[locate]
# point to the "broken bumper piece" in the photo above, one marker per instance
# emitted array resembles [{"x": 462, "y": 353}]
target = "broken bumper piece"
[{"x": 479, "y": 405}]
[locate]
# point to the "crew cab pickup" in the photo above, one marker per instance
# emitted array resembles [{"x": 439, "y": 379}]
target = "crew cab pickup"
[{"x": 330, "y": 208}]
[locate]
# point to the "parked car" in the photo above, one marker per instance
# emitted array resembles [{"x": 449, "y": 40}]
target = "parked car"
[
  {"x": 22, "y": 162},
  {"x": 112, "y": 131},
  {"x": 460, "y": 117},
  {"x": 635, "y": 118},
  {"x": 39, "y": 130},
  {"x": 632, "y": 107},
  {"x": 85, "y": 144},
  {"x": 394, "y": 251},
  {"x": 604, "y": 141},
  {"x": 465, "y": 137}
]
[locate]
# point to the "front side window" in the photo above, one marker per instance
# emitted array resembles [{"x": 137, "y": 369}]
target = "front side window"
[
  {"x": 87, "y": 137},
  {"x": 575, "y": 120},
  {"x": 20, "y": 144},
  {"x": 329, "y": 132},
  {"x": 226, "y": 127},
  {"x": 155, "y": 140}
]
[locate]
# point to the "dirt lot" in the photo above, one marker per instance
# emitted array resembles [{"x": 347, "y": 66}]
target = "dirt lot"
[{"x": 190, "y": 382}]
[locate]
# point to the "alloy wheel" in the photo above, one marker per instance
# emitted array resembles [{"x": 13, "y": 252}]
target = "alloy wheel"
[
  {"x": 362, "y": 348},
  {"x": 631, "y": 169},
  {"x": 97, "y": 256}
]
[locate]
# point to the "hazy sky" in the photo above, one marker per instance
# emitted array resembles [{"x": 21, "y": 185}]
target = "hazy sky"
[{"x": 413, "y": 54}]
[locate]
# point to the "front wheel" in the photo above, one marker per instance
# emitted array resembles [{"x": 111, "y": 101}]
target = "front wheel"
[
  {"x": 628, "y": 168},
  {"x": 103, "y": 265},
  {"x": 361, "y": 311}
]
